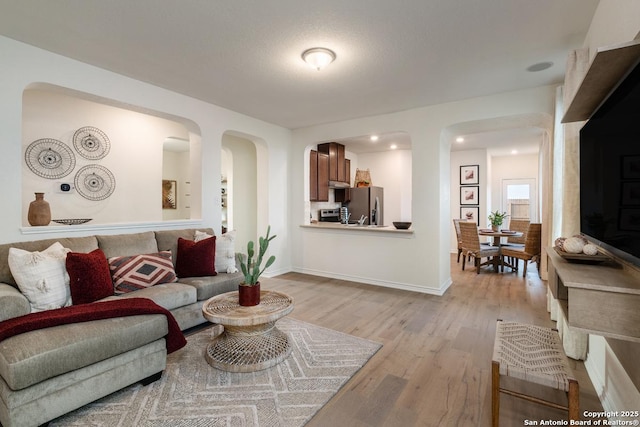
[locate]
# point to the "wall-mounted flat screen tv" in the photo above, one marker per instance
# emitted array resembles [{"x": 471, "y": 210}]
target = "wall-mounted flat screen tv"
[{"x": 610, "y": 171}]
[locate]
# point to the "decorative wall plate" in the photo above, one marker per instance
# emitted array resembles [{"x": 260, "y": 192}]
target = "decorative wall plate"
[
  {"x": 50, "y": 158},
  {"x": 91, "y": 143},
  {"x": 95, "y": 182}
]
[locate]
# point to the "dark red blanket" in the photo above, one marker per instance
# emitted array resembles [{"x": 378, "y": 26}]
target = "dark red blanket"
[{"x": 94, "y": 311}]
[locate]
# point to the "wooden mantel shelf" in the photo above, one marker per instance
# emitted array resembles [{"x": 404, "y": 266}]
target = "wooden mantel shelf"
[
  {"x": 608, "y": 67},
  {"x": 599, "y": 299}
]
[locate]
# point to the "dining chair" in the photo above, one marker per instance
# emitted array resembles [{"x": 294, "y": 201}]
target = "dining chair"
[
  {"x": 471, "y": 247},
  {"x": 521, "y": 225},
  {"x": 531, "y": 250},
  {"x": 456, "y": 225}
]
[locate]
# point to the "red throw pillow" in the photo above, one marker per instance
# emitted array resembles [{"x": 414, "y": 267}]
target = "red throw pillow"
[
  {"x": 196, "y": 259},
  {"x": 90, "y": 279}
]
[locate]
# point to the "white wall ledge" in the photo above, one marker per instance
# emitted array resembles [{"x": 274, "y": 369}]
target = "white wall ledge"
[
  {"x": 83, "y": 228},
  {"x": 335, "y": 226}
]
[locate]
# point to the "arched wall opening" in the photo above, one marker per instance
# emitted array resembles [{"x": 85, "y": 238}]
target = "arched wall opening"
[
  {"x": 388, "y": 158},
  {"x": 489, "y": 196},
  {"x": 110, "y": 160},
  {"x": 247, "y": 185}
]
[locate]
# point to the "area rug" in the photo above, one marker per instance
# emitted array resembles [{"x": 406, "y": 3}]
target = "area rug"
[{"x": 191, "y": 393}]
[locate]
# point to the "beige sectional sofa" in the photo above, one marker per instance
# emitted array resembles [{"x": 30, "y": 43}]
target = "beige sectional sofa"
[{"x": 48, "y": 372}]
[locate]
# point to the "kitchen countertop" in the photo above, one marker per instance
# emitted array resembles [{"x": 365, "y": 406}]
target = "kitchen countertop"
[{"x": 355, "y": 227}]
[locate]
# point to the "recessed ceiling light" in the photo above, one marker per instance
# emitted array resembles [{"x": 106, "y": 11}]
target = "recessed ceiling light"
[
  {"x": 318, "y": 57},
  {"x": 374, "y": 138},
  {"x": 459, "y": 139},
  {"x": 393, "y": 146},
  {"x": 540, "y": 66},
  {"x": 514, "y": 151}
]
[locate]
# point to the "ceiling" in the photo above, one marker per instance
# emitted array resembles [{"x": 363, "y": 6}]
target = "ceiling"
[
  {"x": 508, "y": 142},
  {"x": 383, "y": 142},
  {"x": 244, "y": 55}
]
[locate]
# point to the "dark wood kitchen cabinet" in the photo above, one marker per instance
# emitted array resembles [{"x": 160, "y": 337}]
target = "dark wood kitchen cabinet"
[
  {"x": 318, "y": 177},
  {"x": 313, "y": 175},
  {"x": 323, "y": 177},
  {"x": 347, "y": 171},
  {"x": 340, "y": 166},
  {"x": 342, "y": 195},
  {"x": 337, "y": 167}
]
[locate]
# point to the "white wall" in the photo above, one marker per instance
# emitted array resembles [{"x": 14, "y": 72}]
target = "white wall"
[
  {"x": 462, "y": 158},
  {"x": 615, "y": 22},
  {"x": 24, "y": 65},
  {"x": 391, "y": 170}
]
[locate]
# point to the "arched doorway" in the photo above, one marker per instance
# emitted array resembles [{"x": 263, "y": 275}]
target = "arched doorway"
[
  {"x": 541, "y": 126},
  {"x": 245, "y": 184}
]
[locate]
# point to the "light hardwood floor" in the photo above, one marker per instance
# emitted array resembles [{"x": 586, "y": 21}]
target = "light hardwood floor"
[{"x": 434, "y": 366}]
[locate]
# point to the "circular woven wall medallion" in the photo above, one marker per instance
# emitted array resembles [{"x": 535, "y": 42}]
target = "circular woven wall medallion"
[
  {"x": 50, "y": 158},
  {"x": 91, "y": 143},
  {"x": 95, "y": 182}
]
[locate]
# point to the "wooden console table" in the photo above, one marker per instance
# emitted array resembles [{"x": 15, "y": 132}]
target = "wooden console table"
[{"x": 602, "y": 299}]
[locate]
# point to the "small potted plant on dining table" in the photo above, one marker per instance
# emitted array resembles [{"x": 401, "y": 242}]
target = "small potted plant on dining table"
[
  {"x": 249, "y": 290},
  {"x": 496, "y": 219}
]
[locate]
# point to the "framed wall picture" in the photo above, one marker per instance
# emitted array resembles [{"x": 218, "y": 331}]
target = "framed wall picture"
[
  {"x": 169, "y": 194},
  {"x": 469, "y": 174},
  {"x": 470, "y": 213},
  {"x": 469, "y": 195}
]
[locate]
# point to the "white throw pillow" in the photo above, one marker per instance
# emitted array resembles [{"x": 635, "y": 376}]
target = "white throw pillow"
[
  {"x": 201, "y": 235},
  {"x": 225, "y": 258},
  {"x": 42, "y": 276}
]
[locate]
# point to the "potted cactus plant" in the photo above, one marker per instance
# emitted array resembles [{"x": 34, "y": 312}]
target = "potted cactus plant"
[
  {"x": 249, "y": 290},
  {"x": 496, "y": 219}
]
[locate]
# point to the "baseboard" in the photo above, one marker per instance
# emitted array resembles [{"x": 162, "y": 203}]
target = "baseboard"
[
  {"x": 610, "y": 381},
  {"x": 385, "y": 283}
]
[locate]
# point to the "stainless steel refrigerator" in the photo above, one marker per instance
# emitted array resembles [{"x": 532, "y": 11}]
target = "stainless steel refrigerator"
[{"x": 367, "y": 201}]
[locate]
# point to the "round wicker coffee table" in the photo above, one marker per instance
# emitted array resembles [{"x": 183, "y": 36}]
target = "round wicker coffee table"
[{"x": 250, "y": 341}]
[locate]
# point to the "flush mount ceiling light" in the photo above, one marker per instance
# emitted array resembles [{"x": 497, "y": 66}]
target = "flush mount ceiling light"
[{"x": 318, "y": 57}]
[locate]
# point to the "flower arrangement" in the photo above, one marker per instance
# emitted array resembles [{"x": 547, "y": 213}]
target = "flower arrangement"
[
  {"x": 252, "y": 268},
  {"x": 496, "y": 218}
]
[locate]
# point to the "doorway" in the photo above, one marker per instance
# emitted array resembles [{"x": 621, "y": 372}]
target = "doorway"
[
  {"x": 520, "y": 199},
  {"x": 239, "y": 187}
]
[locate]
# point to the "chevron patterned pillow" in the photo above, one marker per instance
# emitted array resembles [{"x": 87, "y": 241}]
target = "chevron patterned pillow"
[{"x": 130, "y": 273}]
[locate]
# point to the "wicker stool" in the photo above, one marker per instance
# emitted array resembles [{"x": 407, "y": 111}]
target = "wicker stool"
[{"x": 533, "y": 354}]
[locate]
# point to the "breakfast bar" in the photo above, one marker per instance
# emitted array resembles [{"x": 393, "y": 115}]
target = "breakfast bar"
[{"x": 335, "y": 226}]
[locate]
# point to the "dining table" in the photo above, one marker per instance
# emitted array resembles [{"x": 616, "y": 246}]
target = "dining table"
[
  {"x": 497, "y": 235},
  {"x": 496, "y": 240}
]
